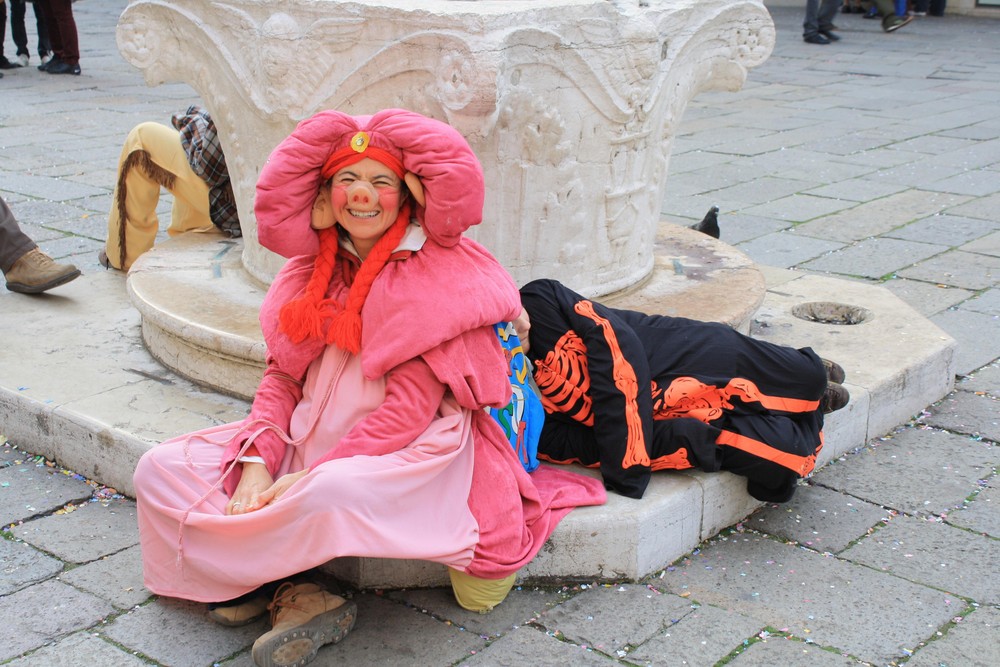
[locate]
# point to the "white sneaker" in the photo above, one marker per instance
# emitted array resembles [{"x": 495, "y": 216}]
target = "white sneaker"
[
  {"x": 46, "y": 58},
  {"x": 23, "y": 60}
]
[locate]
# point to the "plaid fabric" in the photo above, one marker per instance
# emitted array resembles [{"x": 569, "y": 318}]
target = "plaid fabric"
[{"x": 201, "y": 143}]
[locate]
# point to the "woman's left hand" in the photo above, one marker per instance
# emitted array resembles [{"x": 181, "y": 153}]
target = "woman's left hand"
[{"x": 276, "y": 490}]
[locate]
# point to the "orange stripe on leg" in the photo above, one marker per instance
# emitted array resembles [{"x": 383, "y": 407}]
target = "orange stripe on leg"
[{"x": 802, "y": 465}]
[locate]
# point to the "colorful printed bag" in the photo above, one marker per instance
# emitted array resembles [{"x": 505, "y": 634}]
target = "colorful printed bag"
[{"x": 522, "y": 418}]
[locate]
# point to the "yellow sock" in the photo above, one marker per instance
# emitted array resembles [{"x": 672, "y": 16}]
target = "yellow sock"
[{"x": 477, "y": 594}]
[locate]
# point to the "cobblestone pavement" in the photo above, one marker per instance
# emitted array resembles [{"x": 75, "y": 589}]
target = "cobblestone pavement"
[{"x": 874, "y": 159}]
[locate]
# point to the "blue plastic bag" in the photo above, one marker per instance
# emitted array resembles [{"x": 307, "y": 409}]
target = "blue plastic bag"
[{"x": 522, "y": 418}]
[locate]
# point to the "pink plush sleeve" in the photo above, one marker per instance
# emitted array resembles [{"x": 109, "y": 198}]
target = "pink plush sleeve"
[
  {"x": 412, "y": 397},
  {"x": 275, "y": 400}
]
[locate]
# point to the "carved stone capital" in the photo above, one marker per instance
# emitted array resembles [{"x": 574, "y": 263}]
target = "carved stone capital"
[{"x": 569, "y": 104}]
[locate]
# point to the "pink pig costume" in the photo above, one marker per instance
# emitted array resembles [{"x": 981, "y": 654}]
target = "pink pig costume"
[{"x": 403, "y": 460}]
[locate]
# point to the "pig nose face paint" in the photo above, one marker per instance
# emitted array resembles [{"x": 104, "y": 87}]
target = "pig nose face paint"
[{"x": 366, "y": 199}]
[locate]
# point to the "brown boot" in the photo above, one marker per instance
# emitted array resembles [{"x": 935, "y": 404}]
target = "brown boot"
[
  {"x": 304, "y": 617},
  {"x": 36, "y": 272}
]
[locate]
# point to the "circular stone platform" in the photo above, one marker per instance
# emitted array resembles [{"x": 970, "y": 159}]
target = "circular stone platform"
[{"x": 199, "y": 306}]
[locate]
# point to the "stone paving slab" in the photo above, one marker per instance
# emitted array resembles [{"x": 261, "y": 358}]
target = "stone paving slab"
[
  {"x": 28, "y": 490},
  {"x": 23, "y": 565},
  {"x": 808, "y": 595},
  {"x": 613, "y": 619},
  {"x": 803, "y": 162},
  {"x": 704, "y": 636},
  {"x": 798, "y": 207},
  {"x": 77, "y": 649},
  {"x": 977, "y": 335},
  {"x": 957, "y": 268},
  {"x": 45, "y": 612},
  {"x": 985, "y": 380},
  {"x": 739, "y": 227},
  {"x": 8, "y": 455},
  {"x": 91, "y": 531},
  {"x": 987, "y": 303},
  {"x": 968, "y": 413},
  {"x": 787, "y": 248},
  {"x": 874, "y": 258},
  {"x": 389, "y": 633},
  {"x": 987, "y": 245},
  {"x": 534, "y": 647},
  {"x": 183, "y": 634},
  {"x": 116, "y": 578},
  {"x": 972, "y": 642},
  {"x": 819, "y": 518},
  {"x": 916, "y": 471},
  {"x": 523, "y": 606},
  {"x": 945, "y": 229},
  {"x": 937, "y": 555},
  {"x": 880, "y": 216},
  {"x": 926, "y": 298},
  {"x": 856, "y": 191},
  {"x": 980, "y": 513},
  {"x": 778, "y": 650}
]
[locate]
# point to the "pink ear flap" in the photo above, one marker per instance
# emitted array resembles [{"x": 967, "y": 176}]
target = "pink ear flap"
[
  {"x": 322, "y": 210},
  {"x": 415, "y": 187}
]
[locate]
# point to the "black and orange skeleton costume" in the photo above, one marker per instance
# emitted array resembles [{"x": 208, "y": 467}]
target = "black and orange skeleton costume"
[{"x": 633, "y": 393}]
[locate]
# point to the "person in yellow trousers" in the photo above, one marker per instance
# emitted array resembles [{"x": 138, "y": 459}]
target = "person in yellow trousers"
[{"x": 187, "y": 160}]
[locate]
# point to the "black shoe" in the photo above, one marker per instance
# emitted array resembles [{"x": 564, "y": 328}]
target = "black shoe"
[
  {"x": 830, "y": 35},
  {"x": 63, "y": 68},
  {"x": 6, "y": 64},
  {"x": 816, "y": 39},
  {"x": 44, "y": 67}
]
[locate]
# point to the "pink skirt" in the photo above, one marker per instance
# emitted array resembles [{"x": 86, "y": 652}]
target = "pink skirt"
[{"x": 410, "y": 504}]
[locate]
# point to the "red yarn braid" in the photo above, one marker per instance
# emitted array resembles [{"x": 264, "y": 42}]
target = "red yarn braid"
[{"x": 306, "y": 316}]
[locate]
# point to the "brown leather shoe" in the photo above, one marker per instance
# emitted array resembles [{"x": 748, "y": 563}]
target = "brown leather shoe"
[
  {"x": 834, "y": 371},
  {"x": 834, "y": 398},
  {"x": 304, "y": 618},
  {"x": 236, "y": 615},
  {"x": 36, "y": 272}
]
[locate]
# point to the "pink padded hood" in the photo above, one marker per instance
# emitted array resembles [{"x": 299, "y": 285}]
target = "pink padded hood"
[{"x": 290, "y": 180}]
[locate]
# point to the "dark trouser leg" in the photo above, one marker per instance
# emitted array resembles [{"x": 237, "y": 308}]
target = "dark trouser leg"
[
  {"x": 13, "y": 242},
  {"x": 3, "y": 25},
  {"x": 827, "y": 11},
  {"x": 44, "y": 45},
  {"x": 62, "y": 30},
  {"x": 17, "y": 27},
  {"x": 811, "y": 25}
]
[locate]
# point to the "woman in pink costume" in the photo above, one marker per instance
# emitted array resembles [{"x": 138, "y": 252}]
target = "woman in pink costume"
[{"x": 368, "y": 435}]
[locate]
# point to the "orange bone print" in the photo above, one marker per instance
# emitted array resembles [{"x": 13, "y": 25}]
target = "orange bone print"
[
  {"x": 563, "y": 379},
  {"x": 626, "y": 382},
  {"x": 689, "y": 397}
]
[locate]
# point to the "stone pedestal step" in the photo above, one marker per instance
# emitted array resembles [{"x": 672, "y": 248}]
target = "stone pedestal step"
[{"x": 85, "y": 391}]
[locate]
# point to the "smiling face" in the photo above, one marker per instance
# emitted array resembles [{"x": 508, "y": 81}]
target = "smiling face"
[{"x": 366, "y": 197}]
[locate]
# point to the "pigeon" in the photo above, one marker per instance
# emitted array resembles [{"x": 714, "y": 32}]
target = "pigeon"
[{"x": 709, "y": 224}]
